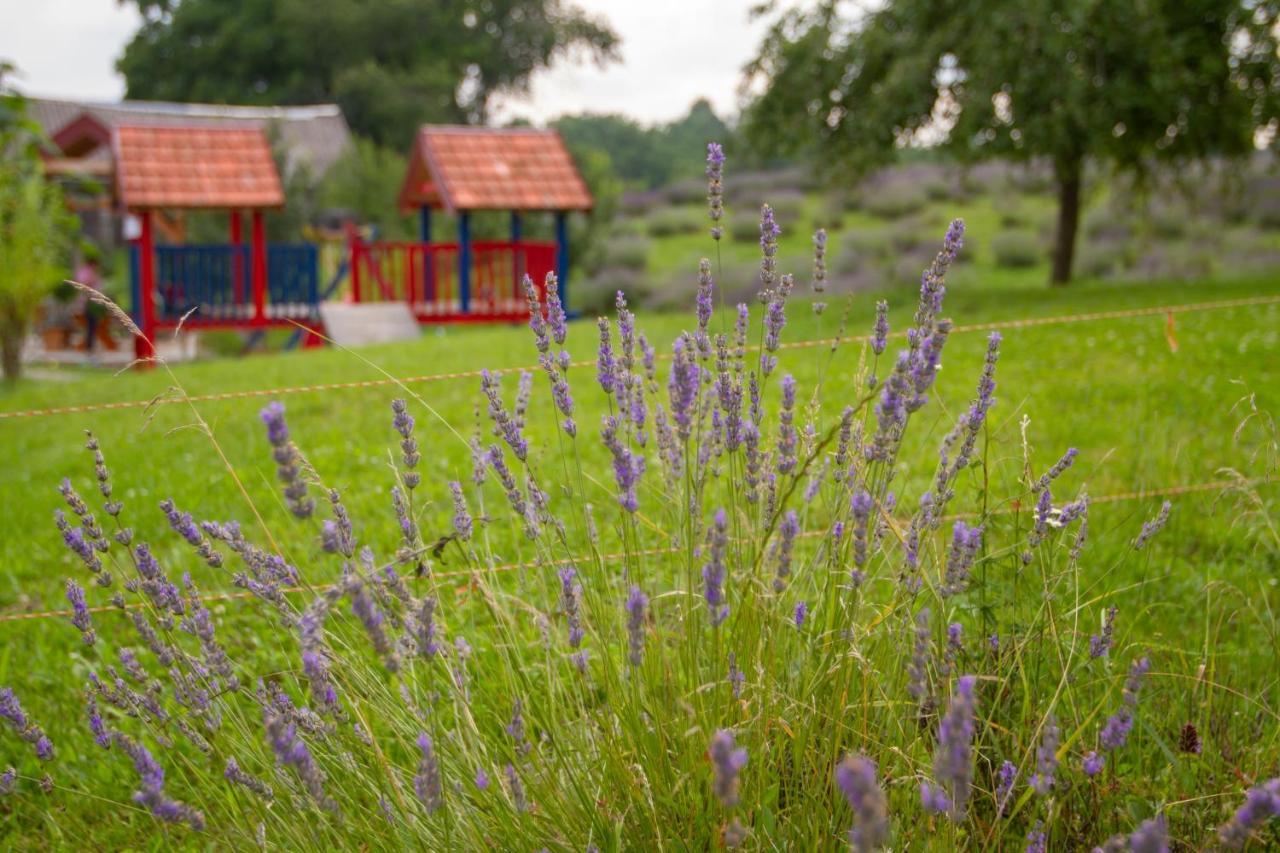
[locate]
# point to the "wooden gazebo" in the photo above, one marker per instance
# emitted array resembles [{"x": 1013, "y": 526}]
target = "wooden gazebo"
[
  {"x": 226, "y": 285},
  {"x": 462, "y": 170}
]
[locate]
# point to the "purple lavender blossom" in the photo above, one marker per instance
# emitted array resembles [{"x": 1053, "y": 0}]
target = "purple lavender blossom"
[
  {"x": 1115, "y": 732},
  {"x": 713, "y": 571},
  {"x": 1152, "y": 527},
  {"x": 80, "y": 544},
  {"x": 482, "y": 779},
  {"x": 1036, "y": 839},
  {"x": 628, "y": 467},
  {"x": 801, "y": 613},
  {"x": 517, "y": 789},
  {"x": 819, "y": 266},
  {"x": 1150, "y": 836},
  {"x": 703, "y": 306},
  {"x": 727, "y": 761},
  {"x": 505, "y": 426},
  {"x": 80, "y": 612},
  {"x": 570, "y": 596},
  {"x": 426, "y": 782},
  {"x": 769, "y": 233},
  {"x": 953, "y": 757},
  {"x": 965, "y": 544},
  {"x": 606, "y": 367},
  {"x": 8, "y": 779},
  {"x": 1261, "y": 803},
  {"x": 637, "y": 604},
  {"x": 462, "y": 524},
  {"x": 288, "y": 460},
  {"x": 1005, "y": 779},
  {"x": 1055, "y": 472},
  {"x": 11, "y": 709},
  {"x": 775, "y": 318},
  {"x": 515, "y": 730},
  {"x": 682, "y": 387},
  {"x": 1046, "y": 758},
  {"x": 788, "y": 530},
  {"x": 1093, "y": 763},
  {"x": 402, "y": 422},
  {"x": 96, "y": 725},
  {"x": 291, "y": 751},
  {"x": 151, "y": 793},
  {"x": 880, "y": 331},
  {"x": 1100, "y": 645},
  {"x": 918, "y": 668},
  {"x": 237, "y": 776},
  {"x": 736, "y": 677},
  {"x": 856, "y": 779},
  {"x": 715, "y": 188},
  {"x": 788, "y": 439}
]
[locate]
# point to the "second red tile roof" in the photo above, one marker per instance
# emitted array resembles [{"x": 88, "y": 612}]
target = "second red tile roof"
[{"x": 474, "y": 168}]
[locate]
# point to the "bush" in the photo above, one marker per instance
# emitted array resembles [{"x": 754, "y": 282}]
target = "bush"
[
  {"x": 1017, "y": 249},
  {"x": 894, "y": 200},
  {"x": 595, "y": 294},
  {"x": 628, "y": 253},
  {"x": 1101, "y": 259},
  {"x": 690, "y": 191},
  {"x": 668, "y": 222},
  {"x": 744, "y": 226}
]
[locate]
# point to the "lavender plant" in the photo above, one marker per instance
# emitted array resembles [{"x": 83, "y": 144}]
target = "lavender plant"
[{"x": 622, "y": 609}]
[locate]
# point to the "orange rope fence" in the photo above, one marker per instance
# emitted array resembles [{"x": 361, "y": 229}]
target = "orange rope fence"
[
  {"x": 1140, "y": 494},
  {"x": 1022, "y": 323}
]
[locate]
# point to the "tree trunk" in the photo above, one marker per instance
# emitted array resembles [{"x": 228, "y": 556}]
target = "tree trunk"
[
  {"x": 11, "y": 355},
  {"x": 1067, "y": 176}
]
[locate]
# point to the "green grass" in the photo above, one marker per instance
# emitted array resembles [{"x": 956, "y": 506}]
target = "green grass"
[{"x": 1143, "y": 414}]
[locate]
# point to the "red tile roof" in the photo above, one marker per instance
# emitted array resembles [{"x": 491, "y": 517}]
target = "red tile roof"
[
  {"x": 475, "y": 168},
  {"x": 195, "y": 167}
]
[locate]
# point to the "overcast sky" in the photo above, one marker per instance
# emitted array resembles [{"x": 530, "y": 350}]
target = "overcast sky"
[{"x": 673, "y": 52}]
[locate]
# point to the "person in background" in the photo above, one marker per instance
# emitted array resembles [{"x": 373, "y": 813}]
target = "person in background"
[{"x": 87, "y": 273}]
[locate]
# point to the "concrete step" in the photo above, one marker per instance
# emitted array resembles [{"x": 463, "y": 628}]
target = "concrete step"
[{"x": 351, "y": 325}]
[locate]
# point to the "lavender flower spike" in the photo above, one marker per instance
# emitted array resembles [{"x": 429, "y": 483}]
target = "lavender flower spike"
[
  {"x": 1261, "y": 803},
  {"x": 727, "y": 761},
  {"x": 953, "y": 756},
  {"x": 1046, "y": 758},
  {"x": 715, "y": 188},
  {"x": 713, "y": 571},
  {"x": 80, "y": 612},
  {"x": 856, "y": 778},
  {"x": 1007, "y": 775},
  {"x": 1115, "y": 732},
  {"x": 637, "y": 603},
  {"x": 1151, "y": 836},
  {"x": 288, "y": 460},
  {"x": 1092, "y": 763},
  {"x": 426, "y": 783},
  {"x": 1152, "y": 527}
]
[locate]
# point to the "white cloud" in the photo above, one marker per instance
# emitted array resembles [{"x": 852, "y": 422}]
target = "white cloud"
[{"x": 66, "y": 47}]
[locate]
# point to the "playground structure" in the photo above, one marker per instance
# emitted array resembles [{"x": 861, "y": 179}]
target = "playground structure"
[{"x": 249, "y": 284}]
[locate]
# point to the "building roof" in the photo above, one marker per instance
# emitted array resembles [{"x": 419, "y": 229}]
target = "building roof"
[
  {"x": 194, "y": 167},
  {"x": 476, "y": 168},
  {"x": 311, "y": 136}
]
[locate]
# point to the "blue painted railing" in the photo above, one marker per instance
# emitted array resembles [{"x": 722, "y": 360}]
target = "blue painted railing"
[
  {"x": 293, "y": 279},
  {"x": 217, "y": 281},
  {"x": 213, "y": 279}
]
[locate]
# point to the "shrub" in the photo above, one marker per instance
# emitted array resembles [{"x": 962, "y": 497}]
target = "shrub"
[
  {"x": 595, "y": 294},
  {"x": 744, "y": 226},
  {"x": 667, "y": 222},
  {"x": 631, "y": 253},
  {"x": 1017, "y": 249},
  {"x": 894, "y": 200}
]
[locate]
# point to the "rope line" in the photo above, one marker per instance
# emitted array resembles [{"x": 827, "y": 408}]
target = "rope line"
[
  {"x": 1139, "y": 494},
  {"x": 1022, "y": 323}
]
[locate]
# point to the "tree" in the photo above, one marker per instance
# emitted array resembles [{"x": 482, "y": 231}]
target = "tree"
[
  {"x": 1116, "y": 82},
  {"x": 35, "y": 228},
  {"x": 390, "y": 66}
]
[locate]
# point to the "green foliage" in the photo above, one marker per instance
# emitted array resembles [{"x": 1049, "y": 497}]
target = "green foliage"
[
  {"x": 1017, "y": 249},
  {"x": 366, "y": 181},
  {"x": 676, "y": 220},
  {"x": 1119, "y": 83},
  {"x": 391, "y": 66},
  {"x": 647, "y": 156}
]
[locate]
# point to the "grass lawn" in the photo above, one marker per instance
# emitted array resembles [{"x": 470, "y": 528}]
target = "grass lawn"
[{"x": 1147, "y": 404}]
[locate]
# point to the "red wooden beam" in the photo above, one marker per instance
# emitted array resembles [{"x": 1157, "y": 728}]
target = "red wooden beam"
[
  {"x": 142, "y": 345},
  {"x": 237, "y": 259},
  {"x": 258, "y": 277}
]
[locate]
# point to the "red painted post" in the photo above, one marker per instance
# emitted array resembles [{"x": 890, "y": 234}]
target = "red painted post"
[
  {"x": 356, "y": 252},
  {"x": 237, "y": 259},
  {"x": 142, "y": 346},
  {"x": 258, "y": 273}
]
